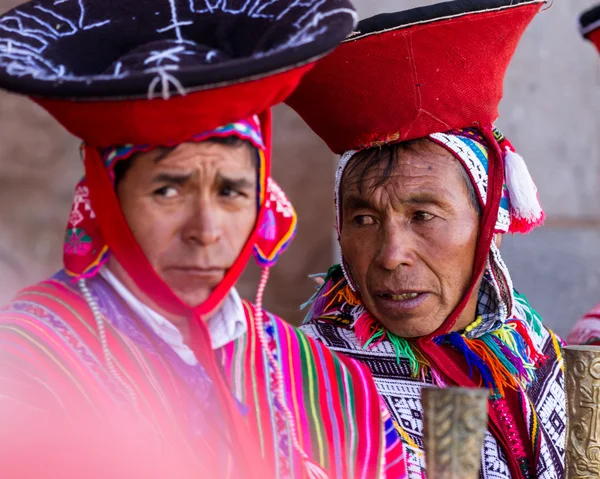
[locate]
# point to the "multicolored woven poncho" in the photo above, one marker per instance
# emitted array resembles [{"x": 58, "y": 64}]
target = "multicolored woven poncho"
[{"x": 53, "y": 364}]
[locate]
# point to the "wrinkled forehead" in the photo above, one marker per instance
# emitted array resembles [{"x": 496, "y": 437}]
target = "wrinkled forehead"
[
  {"x": 230, "y": 160},
  {"x": 229, "y": 141},
  {"x": 219, "y": 150},
  {"x": 419, "y": 164}
]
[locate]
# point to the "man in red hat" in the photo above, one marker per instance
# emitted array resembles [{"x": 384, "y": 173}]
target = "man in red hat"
[
  {"x": 140, "y": 353},
  {"x": 587, "y": 329},
  {"x": 425, "y": 189}
]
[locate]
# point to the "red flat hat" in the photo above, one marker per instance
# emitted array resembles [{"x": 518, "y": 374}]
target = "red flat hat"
[
  {"x": 411, "y": 74},
  {"x": 104, "y": 68},
  {"x": 405, "y": 75},
  {"x": 590, "y": 25}
]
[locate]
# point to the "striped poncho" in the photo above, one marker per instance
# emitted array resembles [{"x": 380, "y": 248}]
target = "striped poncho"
[{"x": 53, "y": 365}]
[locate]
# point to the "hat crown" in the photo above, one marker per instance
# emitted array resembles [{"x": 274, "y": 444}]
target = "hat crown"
[
  {"x": 168, "y": 54},
  {"x": 409, "y": 74},
  {"x": 589, "y": 20}
]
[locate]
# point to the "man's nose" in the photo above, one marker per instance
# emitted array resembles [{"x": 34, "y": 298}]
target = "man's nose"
[
  {"x": 203, "y": 224},
  {"x": 397, "y": 248}
]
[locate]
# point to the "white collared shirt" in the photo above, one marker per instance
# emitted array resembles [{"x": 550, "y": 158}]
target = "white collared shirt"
[{"x": 225, "y": 326}]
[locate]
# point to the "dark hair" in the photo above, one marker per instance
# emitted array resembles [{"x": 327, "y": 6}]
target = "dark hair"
[
  {"x": 366, "y": 160},
  {"x": 123, "y": 166}
]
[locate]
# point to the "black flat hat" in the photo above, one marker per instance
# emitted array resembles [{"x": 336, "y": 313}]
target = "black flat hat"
[
  {"x": 119, "y": 48},
  {"x": 103, "y": 68}
]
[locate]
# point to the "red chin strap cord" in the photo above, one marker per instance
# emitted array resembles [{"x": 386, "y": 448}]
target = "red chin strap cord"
[
  {"x": 437, "y": 354},
  {"x": 487, "y": 230},
  {"x": 118, "y": 236}
]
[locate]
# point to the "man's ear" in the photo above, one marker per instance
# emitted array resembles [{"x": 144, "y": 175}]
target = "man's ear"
[{"x": 498, "y": 239}]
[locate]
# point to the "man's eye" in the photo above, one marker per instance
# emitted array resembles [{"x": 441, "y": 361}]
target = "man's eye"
[
  {"x": 363, "y": 220},
  {"x": 423, "y": 216},
  {"x": 228, "y": 192},
  {"x": 166, "y": 192}
]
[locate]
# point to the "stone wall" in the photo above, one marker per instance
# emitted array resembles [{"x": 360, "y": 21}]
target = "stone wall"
[
  {"x": 551, "y": 113},
  {"x": 39, "y": 166}
]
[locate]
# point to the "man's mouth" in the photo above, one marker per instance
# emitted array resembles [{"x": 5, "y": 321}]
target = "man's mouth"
[
  {"x": 399, "y": 302},
  {"x": 195, "y": 269},
  {"x": 404, "y": 296},
  {"x": 210, "y": 274},
  {"x": 399, "y": 294}
]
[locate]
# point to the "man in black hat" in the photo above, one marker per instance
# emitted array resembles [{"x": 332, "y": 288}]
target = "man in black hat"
[{"x": 140, "y": 352}]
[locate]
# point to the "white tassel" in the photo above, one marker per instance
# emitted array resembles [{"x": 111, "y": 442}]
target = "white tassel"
[{"x": 523, "y": 193}]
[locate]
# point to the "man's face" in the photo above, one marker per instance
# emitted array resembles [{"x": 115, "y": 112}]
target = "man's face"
[
  {"x": 410, "y": 242},
  {"x": 191, "y": 209}
]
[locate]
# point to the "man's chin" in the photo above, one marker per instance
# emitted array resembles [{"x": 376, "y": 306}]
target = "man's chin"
[
  {"x": 192, "y": 299},
  {"x": 409, "y": 319},
  {"x": 190, "y": 290}
]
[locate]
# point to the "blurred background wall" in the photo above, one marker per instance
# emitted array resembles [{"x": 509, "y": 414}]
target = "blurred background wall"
[{"x": 551, "y": 113}]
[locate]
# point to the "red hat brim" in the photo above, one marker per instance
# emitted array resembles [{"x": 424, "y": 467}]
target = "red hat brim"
[
  {"x": 159, "y": 122},
  {"x": 406, "y": 75}
]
